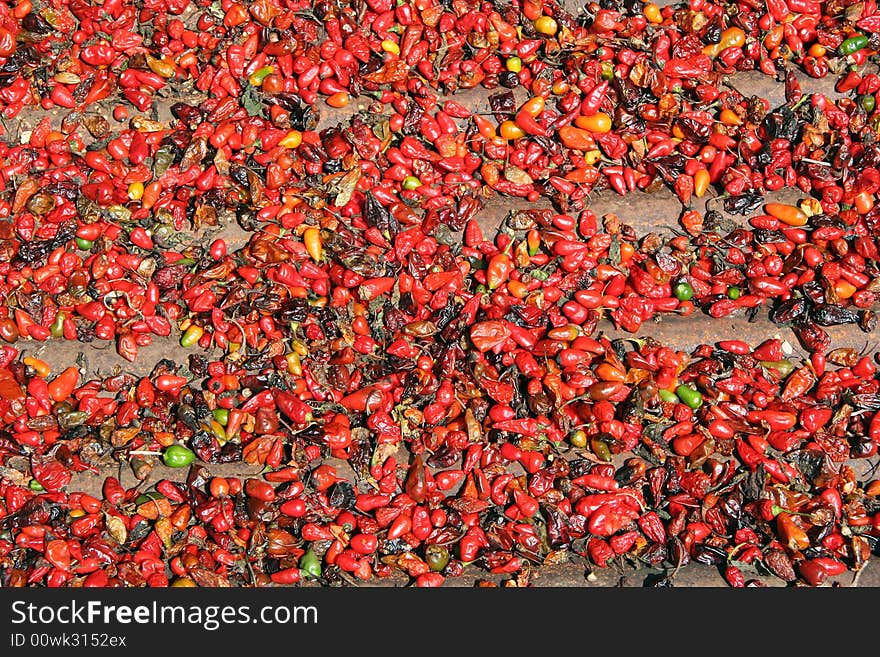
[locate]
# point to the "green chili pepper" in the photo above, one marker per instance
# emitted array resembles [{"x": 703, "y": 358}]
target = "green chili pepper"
[
  {"x": 36, "y": 486},
  {"x": 437, "y": 557},
  {"x": 853, "y": 44},
  {"x": 163, "y": 159},
  {"x": 163, "y": 232},
  {"x": 601, "y": 449},
  {"x": 868, "y": 103},
  {"x": 784, "y": 367},
  {"x": 411, "y": 182},
  {"x": 733, "y": 292},
  {"x": 513, "y": 64},
  {"x": 191, "y": 336},
  {"x": 57, "y": 327},
  {"x": 83, "y": 244},
  {"x": 689, "y": 396},
  {"x": 667, "y": 396},
  {"x": 178, "y": 456},
  {"x": 683, "y": 291},
  {"x": 578, "y": 438},
  {"x": 72, "y": 419},
  {"x": 221, "y": 415},
  {"x": 310, "y": 564}
]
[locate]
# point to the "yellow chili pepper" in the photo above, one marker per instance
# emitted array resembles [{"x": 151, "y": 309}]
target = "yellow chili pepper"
[
  {"x": 294, "y": 364},
  {"x": 653, "y": 14},
  {"x": 389, "y": 46},
  {"x": 546, "y": 25},
  {"x": 593, "y": 156},
  {"x": 292, "y": 139},
  {"x": 732, "y": 37},
  {"x": 136, "y": 191}
]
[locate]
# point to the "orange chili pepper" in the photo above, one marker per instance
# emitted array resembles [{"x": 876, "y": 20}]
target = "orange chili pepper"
[
  {"x": 701, "y": 182},
  {"x": 41, "y": 367},
  {"x": 730, "y": 38},
  {"x": 576, "y": 138},
  {"x": 339, "y": 99},
  {"x": 313, "y": 244},
  {"x": 498, "y": 270},
  {"x": 787, "y": 214},
  {"x": 793, "y": 535},
  {"x": 599, "y": 122}
]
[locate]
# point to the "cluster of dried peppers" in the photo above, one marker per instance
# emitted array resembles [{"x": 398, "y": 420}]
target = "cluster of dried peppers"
[
  {"x": 365, "y": 317},
  {"x": 731, "y": 455}
]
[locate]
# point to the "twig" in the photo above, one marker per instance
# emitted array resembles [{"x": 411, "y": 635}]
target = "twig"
[{"x": 855, "y": 579}]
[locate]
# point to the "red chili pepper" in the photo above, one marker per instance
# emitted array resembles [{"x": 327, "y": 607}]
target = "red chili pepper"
[
  {"x": 529, "y": 124},
  {"x": 292, "y": 407},
  {"x": 593, "y": 100}
]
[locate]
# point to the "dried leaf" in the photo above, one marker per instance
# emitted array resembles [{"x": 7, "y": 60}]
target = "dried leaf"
[
  {"x": 122, "y": 437},
  {"x": 252, "y": 103},
  {"x": 555, "y": 557},
  {"x": 164, "y": 530},
  {"x": 345, "y": 187},
  {"x": 205, "y": 215},
  {"x": 143, "y": 124},
  {"x": 257, "y": 451},
  {"x": 14, "y": 477},
  {"x": 517, "y": 176},
  {"x": 97, "y": 125},
  {"x": 116, "y": 528},
  {"x": 207, "y": 579},
  {"x": 382, "y": 452},
  {"x": 65, "y": 77}
]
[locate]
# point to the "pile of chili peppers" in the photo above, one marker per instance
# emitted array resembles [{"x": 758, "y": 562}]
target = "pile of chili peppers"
[{"x": 417, "y": 396}]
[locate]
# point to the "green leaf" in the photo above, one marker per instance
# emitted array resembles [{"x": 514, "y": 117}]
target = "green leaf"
[
  {"x": 252, "y": 103},
  {"x": 216, "y": 10},
  {"x": 614, "y": 250}
]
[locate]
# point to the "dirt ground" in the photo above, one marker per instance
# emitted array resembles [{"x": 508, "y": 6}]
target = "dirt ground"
[{"x": 658, "y": 212}]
